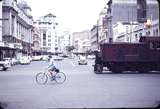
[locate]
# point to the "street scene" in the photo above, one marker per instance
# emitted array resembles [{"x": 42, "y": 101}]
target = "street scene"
[
  {"x": 82, "y": 88},
  {"x": 79, "y": 54}
]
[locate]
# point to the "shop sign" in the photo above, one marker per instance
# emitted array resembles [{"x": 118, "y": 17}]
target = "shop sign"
[
  {"x": 1, "y": 44},
  {"x": 18, "y": 45},
  {"x": 4, "y": 44}
]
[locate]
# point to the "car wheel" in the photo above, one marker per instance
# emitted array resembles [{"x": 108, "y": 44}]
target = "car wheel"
[{"x": 4, "y": 69}]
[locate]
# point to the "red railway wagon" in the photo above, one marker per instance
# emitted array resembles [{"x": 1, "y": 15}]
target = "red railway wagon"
[{"x": 118, "y": 57}]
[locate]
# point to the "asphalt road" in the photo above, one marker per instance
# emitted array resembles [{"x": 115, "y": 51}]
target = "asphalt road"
[{"x": 82, "y": 89}]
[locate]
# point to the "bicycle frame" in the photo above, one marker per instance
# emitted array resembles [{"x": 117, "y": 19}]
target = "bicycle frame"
[{"x": 50, "y": 73}]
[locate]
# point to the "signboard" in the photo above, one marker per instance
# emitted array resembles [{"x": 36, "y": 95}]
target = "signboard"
[
  {"x": 4, "y": 44},
  {"x": 18, "y": 45}
]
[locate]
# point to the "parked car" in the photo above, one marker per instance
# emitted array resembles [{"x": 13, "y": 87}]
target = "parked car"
[
  {"x": 4, "y": 64},
  {"x": 91, "y": 56},
  {"x": 57, "y": 58},
  {"x": 24, "y": 60},
  {"x": 82, "y": 60},
  {"x": 45, "y": 57},
  {"x": 64, "y": 56},
  {"x": 36, "y": 58},
  {"x": 8, "y": 59}
]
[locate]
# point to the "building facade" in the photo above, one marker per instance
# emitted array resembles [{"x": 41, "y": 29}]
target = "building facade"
[
  {"x": 17, "y": 29},
  {"x": 1, "y": 21},
  {"x": 47, "y": 27},
  {"x": 101, "y": 26},
  {"x": 65, "y": 41},
  {"x": 1, "y": 43},
  {"x": 130, "y": 11},
  {"x": 94, "y": 38},
  {"x": 81, "y": 41},
  {"x": 123, "y": 32},
  {"x": 36, "y": 47}
]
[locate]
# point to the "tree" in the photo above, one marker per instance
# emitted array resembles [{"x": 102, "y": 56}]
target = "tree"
[
  {"x": 70, "y": 48},
  {"x": 89, "y": 51}
]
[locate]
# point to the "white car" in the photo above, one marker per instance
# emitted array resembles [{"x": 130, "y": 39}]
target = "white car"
[
  {"x": 91, "y": 57},
  {"x": 45, "y": 57},
  {"x": 8, "y": 59},
  {"x": 24, "y": 60},
  {"x": 5, "y": 64},
  {"x": 57, "y": 58},
  {"x": 82, "y": 60},
  {"x": 36, "y": 58}
]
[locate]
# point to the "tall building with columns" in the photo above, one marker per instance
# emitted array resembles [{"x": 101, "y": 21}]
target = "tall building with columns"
[{"x": 17, "y": 30}]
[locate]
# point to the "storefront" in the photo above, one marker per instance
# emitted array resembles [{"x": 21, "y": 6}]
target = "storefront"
[{"x": 10, "y": 50}]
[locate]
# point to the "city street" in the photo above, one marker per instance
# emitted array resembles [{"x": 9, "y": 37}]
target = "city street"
[{"x": 82, "y": 88}]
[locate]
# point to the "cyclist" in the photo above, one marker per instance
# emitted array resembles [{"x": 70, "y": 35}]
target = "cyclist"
[{"x": 52, "y": 68}]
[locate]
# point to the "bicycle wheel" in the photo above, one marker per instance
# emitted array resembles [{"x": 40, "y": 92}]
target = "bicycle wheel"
[
  {"x": 41, "y": 78},
  {"x": 60, "y": 77}
]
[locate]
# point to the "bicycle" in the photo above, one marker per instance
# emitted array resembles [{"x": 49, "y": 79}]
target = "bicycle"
[{"x": 42, "y": 77}]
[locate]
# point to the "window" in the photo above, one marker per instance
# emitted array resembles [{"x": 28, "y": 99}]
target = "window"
[
  {"x": 148, "y": 33},
  {"x": 49, "y": 44},
  {"x": 141, "y": 11},
  {"x": 136, "y": 37},
  {"x": 140, "y": 34},
  {"x": 44, "y": 36},
  {"x": 13, "y": 19},
  {"x": 49, "y": 40},
  {"x": 156, "y": 32},
  {"x": 44, "y": 43}
]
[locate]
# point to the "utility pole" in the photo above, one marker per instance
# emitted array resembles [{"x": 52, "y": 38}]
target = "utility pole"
[{"x": 159, "y": 12}]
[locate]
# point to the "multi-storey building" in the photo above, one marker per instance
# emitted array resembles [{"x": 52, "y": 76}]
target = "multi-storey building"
[
  {"x": 101, "y": 26},
  {"x": 1, "y": 22},
  {"x": 47, "y": 26},
  {"x": 81, "y": 41},
  {"x": 130, "y": 11},
  {"x": 36, "y": 48},
  {"x": 123, "y": 32},
  {"x": 64, "y": 41},
  {"x": 1, "y": 43},
  {"x": 94, "y": 38},
  {"x": 17, "y": 29}
]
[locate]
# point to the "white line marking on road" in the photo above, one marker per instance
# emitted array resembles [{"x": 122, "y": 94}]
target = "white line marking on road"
[{"x": 72, "y": 64}]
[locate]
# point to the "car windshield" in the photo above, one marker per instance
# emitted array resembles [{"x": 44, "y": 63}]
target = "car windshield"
[{"x": 106, "y": 54}]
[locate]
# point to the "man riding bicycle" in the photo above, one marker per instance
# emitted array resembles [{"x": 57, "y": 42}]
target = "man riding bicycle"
[{"x": 52, "y": 68}]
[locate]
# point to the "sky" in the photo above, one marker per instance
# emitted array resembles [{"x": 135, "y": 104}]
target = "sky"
[{"x": 71, "y": 15}]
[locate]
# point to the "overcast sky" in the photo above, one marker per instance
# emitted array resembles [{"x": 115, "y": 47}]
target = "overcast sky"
[{"x": 72, "y": 15}]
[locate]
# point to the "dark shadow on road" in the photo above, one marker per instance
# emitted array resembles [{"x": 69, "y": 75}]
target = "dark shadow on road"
[
  {"x": 130, "y": 72},
  {"x": 3, "y": 105}
]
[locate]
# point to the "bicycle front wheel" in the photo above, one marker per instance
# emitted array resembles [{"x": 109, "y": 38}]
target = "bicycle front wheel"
[
  {"x": 41, "y": 78},
  {"x": 60, "y": 77}
]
